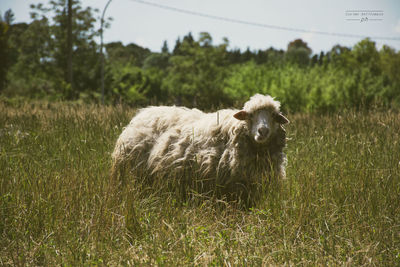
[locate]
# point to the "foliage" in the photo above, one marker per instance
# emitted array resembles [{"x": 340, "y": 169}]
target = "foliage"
[
  {"x": 195, "y": 73},
  {"x": 298, "y": 52},
  {"x": 5, "y": 58},
  {"x": 130, "y": 83},
  {"x": 39, "y": 53},
  {"x": 360, "y": 78},
  {"x": 129, "y": 54},
  {"x": 58, "y": 207}
]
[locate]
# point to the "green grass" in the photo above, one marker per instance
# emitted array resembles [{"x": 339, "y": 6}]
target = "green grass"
[{"x": 340, "y": 204}]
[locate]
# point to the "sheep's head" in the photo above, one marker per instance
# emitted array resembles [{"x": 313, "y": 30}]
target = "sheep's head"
[{"x": 262, "y": 116}]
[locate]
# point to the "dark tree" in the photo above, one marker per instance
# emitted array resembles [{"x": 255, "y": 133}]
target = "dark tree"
[
  {"x": 5, "y": 25},
  {"x": 69, "y": 44},
  {"x": 298, "y": 53},
  {"x": 164, "y": 48}
]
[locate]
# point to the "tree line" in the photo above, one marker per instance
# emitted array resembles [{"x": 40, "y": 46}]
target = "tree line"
[{"x": 195, "y": 72}]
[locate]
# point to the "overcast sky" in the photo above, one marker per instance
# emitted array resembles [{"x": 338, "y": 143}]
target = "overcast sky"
[{"x": 149, "y": 26}]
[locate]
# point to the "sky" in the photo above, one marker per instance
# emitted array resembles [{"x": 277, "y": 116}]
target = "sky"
[{"x": 148, "y": 25}]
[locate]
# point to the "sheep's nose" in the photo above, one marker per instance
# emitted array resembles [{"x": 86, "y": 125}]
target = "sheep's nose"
[{"x": 263, "y": 131}]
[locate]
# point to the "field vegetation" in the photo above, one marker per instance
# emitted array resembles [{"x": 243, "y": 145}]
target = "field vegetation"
[{"x": 58, "y": 206}]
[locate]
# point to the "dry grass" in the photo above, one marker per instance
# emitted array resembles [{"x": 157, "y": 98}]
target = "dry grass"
[{"x": 339, "y": 205}]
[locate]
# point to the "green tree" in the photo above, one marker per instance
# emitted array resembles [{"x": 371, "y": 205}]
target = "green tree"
[
  {"x": 298, "y": 52},
  {"x": 389, "y": 61},
  {"x": 269, "y": 56},
  {"x": 131, "y": 53},
  {"x": 34, "y": 72},
  {"x": 342, "y": 57},
  {"x": 164, "y": 48},
  {"x": 129, "y": 84},
  {"x": 245, "y": 80},
  {"x": 196, "y": 72},
  {"x": 5, "y": 25},
  {"x": 133, "y": 85},
  {"x": 85, "y": 69},
  {"x": 366, "y": 55},
  {"x": 15, "y": 41},
  {"x": 157, "y": 60}
]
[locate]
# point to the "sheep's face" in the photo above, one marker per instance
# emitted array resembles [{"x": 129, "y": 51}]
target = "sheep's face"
[{"x": 262, "y": 123}]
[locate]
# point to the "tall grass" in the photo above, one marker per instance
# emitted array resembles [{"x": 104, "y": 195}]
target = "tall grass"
[{"x": 340, "y": 204}]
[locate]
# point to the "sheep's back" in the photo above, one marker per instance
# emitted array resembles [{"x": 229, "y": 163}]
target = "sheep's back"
[{"x": 148, "y": 125}]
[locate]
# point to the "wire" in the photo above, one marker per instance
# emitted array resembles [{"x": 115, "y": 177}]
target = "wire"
[{"x": 269, "y": 26}]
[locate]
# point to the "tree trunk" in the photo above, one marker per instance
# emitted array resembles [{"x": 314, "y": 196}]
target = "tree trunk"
[{"x": 69, "y": 44}]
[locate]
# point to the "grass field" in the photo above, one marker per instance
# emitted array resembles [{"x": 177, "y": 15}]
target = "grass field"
[{"x": 340, "y": 204}]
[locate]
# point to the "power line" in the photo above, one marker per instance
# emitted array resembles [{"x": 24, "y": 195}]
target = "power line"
[{"x": 262, "y": 25}]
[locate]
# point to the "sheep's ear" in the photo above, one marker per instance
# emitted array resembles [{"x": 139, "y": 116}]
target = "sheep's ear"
[
  {"x": 241, "y": 115},
  {"x": 279, "y": 118}
]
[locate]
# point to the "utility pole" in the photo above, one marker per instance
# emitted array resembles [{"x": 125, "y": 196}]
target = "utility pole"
[
  {"x": 101, "y": 51},
  {"x": 69, "y": 44}
]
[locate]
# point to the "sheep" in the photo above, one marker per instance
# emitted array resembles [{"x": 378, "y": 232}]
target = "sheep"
[{"x": 231, "y": 148}]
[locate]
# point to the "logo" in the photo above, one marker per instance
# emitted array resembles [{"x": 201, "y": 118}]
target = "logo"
[{"x": 364, "y": 16}]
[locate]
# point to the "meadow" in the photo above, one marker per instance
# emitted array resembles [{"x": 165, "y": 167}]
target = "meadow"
[{"x": 340, "y": 203}]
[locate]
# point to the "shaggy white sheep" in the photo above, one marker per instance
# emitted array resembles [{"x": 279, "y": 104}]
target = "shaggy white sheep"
[{"x": 229, "y": 147}]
